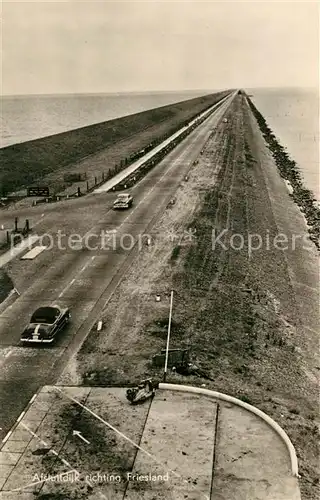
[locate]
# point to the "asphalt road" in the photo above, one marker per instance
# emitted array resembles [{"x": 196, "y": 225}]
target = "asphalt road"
[{"x": 83, "y": 279}]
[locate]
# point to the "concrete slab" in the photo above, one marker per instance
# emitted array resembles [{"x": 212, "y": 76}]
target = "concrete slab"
[
  {"x": 9, "y": 458},
  {"x": 7, "y": 495},
  {"x": 14, "y": 446},
  {"x": 25, "y": 474},
  {"x": 34, "y": 415},
  {"x": 179, "y": 433},
  {"x": 251, "y": 460},
  {"x": 5, "y": 471},
  {"x": 20, "y": 434}
]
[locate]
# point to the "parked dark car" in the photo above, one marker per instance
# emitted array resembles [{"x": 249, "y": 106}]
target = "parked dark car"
[{"x": 45, "y": 324}]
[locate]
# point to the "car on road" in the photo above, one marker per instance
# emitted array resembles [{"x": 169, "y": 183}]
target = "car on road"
[
  {"x": 123, "y": 200},
  {"x": 45, "y": 323}
]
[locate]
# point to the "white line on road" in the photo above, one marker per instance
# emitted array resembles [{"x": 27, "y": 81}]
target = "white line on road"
[
  {"x": 174, "y": 163},
  {"x": 33, "y": 398},
  {"x": 34, "y": 252},
  {"x": 22, "y": 414},
  {"x": 6, "y": 437}
]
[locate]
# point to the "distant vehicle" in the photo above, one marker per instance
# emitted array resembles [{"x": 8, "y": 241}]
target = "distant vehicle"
[
  {"x": 45, "y": 324},
  {"x": 225, "y": 120},
  {"x": 124, "y": 200}
]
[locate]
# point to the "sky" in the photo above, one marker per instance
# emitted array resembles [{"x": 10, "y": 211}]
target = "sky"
[{"x": 88, "y": 47}]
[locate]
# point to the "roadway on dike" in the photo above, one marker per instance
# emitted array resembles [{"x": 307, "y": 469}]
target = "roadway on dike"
[{"x": 83, "y": 279}]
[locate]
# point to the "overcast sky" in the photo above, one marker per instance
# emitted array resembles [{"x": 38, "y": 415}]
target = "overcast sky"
[{"x": 80, "y": 47}]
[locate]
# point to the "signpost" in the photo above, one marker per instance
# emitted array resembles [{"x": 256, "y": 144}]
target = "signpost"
[
  {"x": 38, "y": 191},
  {"x": 168, "y": 338}
]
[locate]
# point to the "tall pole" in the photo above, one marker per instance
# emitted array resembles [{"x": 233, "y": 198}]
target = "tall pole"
[{"x": 168, "y": 338}]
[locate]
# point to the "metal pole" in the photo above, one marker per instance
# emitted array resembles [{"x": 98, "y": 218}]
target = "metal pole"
[{"x": 168, "y": 338}]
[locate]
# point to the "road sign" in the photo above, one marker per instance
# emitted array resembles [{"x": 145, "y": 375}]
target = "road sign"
[{"x": 38, "y": 191}]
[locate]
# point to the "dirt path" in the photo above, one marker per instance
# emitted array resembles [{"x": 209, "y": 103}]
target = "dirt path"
[{"x": 235, "y": 307}]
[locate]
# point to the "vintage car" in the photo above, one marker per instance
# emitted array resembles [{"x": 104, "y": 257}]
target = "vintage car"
[
  {"x": 45, "y": 323},
  {"x": 123, "y": 200}
]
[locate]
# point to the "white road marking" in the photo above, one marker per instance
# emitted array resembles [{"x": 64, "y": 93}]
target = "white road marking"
[
  {"x": 91, "y": 231},
  {"x": 78, "y": 433},
  {"x": 34, "y": 252},
  {"x": 6, "y": 437},
  {"x": 21, "y": 416},
  {"x": 76, "y": 277},
  {"x": 33, "y": 398}
]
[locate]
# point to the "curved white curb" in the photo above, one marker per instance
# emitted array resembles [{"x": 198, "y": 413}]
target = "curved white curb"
[{"x": 218, "y": 395}]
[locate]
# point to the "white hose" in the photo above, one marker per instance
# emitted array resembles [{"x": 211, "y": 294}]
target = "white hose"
[{"x": 252, "y": 409}]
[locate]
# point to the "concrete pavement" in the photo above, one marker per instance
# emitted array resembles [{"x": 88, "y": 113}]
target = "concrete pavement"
[{"x": 193, "y": 447}]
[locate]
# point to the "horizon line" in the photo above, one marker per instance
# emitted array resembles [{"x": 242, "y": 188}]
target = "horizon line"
[{"x": 152, "y": 91}]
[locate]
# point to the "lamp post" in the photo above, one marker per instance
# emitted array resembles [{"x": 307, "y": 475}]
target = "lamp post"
[{"x": 168, "y": 338}]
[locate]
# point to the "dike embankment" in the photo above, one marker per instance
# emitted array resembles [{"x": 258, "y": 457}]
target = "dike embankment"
[
  {"x": 31, "y": 161},
  {"x": 289, "y": 170}
]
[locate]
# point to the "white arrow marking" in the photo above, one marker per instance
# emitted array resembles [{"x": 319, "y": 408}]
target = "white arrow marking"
[{"x": 78, "y": 433}]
